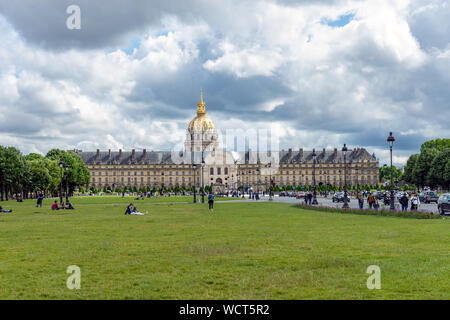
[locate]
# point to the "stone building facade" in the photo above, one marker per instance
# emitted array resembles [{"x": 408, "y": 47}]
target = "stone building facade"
[{"x": 203, "y": 163}]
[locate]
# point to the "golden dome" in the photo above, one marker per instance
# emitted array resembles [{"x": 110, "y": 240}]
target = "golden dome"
[{"x": 201, "y": 122}]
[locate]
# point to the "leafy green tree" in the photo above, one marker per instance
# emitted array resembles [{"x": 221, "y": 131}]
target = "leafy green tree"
[
  {"x": 13, "y": 172},
  {"x": 408, "y": 174},
  {"x": 438, "y": 144},
  {"x": 40, "y": 178},
  {"x": 78, "y": 173},
  {"x": 447, "y": 171},
  {"x": 33, "y": 156},
  {"x": 423, "y": 165},
  {"x": 436, "y": 175}
]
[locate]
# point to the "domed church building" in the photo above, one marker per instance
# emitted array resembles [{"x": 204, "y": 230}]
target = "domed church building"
[{"x": 205, "y": 163}]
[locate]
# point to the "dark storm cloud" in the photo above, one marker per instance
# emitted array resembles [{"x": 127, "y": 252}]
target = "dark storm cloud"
[
  {"x": 363, "y": 87},
  {"x": 431, "y": 23},
  {"x": 103, "y": 23}
]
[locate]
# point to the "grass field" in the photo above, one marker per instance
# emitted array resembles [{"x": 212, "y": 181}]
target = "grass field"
[{"x": 240, "y": 251}]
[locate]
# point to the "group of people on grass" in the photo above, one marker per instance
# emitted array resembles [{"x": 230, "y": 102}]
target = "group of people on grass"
[{"x": 62, "y": 206}]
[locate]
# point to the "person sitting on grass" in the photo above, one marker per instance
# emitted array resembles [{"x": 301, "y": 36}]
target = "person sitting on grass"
[
  {"x": 69, "y": 206},
  {"x": 128, "y": 211},
  {"x": 55, "y": 205}
]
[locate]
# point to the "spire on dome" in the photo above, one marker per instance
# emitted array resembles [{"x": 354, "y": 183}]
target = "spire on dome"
[{"x": 201, "y": 109}]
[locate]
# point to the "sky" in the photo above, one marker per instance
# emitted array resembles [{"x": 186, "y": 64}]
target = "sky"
[{"x": 318, "y": 74}]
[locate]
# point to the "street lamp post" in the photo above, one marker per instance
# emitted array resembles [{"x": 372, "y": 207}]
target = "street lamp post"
[
  {"x": 195, "y": 193},
  {"x": 391, "y": 140},
  {"x": 61, "y": 165},
  {"x": 357, "y": 180},
  {"x": 203, "y": 186},
  {"x": 344, "y": 151},
  {"x": 270, "y": 182},
  {"x": 67, "y": 183},
  {"x": 314, "y": 177}
]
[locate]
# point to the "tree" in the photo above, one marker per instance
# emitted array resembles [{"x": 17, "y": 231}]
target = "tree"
[
  {"x": 438, "y": 144},
  {"x": 447, "y": 171},
  {"x": 423, "y": 165},
  {"x": 408, "y": 174},
  {"x": 40, "y": 178},
  {"x": 436, "y": 175},
  {"x": 13, "y": 171},
  {"x": 78, "y": 173}
]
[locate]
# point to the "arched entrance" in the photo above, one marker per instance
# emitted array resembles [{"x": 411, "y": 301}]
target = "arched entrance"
[{"x": 218, "y": 180}]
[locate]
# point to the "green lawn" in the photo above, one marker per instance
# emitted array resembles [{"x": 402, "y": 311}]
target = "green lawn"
[
  {"x": 107, "y": 199},
  {"x": 241, "y": 251}
]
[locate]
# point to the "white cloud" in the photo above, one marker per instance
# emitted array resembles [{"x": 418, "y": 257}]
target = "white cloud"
[{"x": 262, "y": 63}]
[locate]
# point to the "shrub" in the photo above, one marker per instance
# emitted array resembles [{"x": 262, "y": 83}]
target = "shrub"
[{"x": 420, "y": 214}]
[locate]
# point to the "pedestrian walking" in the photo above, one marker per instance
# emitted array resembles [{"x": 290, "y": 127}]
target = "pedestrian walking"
[
  {"x": 361, "y": 202},
  {"x": 39, "y": 200},
  {"x": 415, "y": 202},
  {"x": 370, "y": 201},
  {"x": 404, "y": 202},
  {"x": 211, "y": 201}
]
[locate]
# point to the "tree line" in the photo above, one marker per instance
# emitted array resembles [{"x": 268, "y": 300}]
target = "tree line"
[
  {"x": 430, "y": 167},
  {"x": 32, "y": 174}
]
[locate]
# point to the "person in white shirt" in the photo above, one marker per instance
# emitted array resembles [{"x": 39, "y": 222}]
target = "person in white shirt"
[{"x": 415, "y": 202}]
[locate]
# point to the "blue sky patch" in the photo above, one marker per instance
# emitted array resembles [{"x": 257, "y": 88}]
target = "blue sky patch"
[
  {"x": 340, "y": 21},
  {"x": 134, "y": 43}
]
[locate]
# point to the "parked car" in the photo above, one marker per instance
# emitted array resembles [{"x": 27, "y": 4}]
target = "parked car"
[
  {"x": 282, "y": 194},
  {"x": 379, "y": 194},
  {"x": 301, "y": 195},
  {"x": 339, "y": 197},
  {"x": 444, "y": 203},
  {"x": 429, "y": 196}
]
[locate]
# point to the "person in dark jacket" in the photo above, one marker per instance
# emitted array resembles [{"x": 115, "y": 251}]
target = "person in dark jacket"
[
  {"x": 361, "y": 202},
  {"x": 211, "y": 201},
  {"x": 404, "y": 202},
  {"x": 129, "y": 209},
  {"x": 39, "y": 200}
]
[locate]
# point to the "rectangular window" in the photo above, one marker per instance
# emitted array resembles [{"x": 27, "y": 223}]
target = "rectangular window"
[
  {"x": 218, "y": 171},
  {"x": 211, "y": 171},
  {"x": 226, "y": 170}
]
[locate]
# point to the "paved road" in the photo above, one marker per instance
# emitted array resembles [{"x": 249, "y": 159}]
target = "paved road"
[{"x": 353, "y": 203}]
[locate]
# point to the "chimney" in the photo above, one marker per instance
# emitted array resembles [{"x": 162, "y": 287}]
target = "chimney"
[
  {"x": 301, "y": 154},
  {"x": 290, "y": 152},
  {"x": 144, "y": 153},
  {"x": 335, "y": 152},
  {"x": 133, "y": 153},
  {"x": 109, "y": 153},
  {"x": 323, "y": 152},
  {"x": 120, "y": 153},
  {"x": 98, "y": 154}
]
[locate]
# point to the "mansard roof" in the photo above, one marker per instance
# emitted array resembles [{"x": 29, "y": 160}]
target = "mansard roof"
[
  {"x": 126, "y": 157},
  {"x": 285, "y": 156}
]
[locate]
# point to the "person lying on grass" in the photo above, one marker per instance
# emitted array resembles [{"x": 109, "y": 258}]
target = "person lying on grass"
[
  {"x": 4, "y": 211},
  {"x": 132, "y": 210}
]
